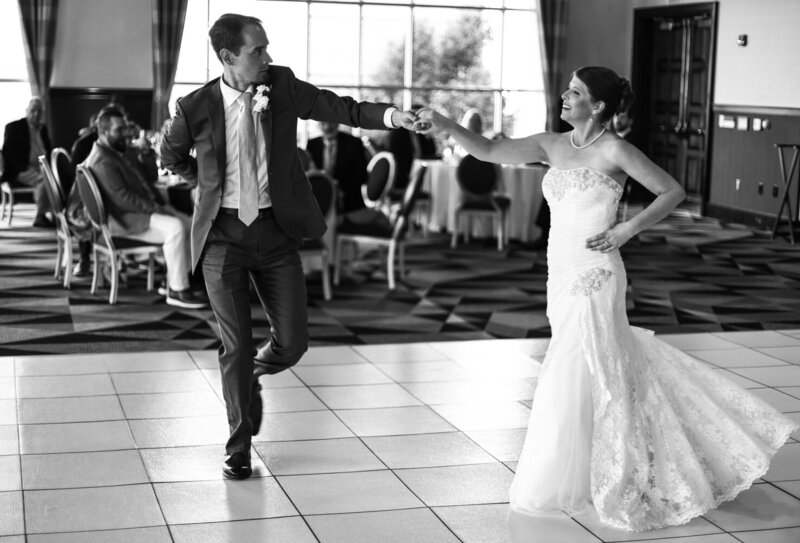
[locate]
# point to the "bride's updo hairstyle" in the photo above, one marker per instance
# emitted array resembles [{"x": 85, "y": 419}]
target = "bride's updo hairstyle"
[{"x": 606, "y": 86}]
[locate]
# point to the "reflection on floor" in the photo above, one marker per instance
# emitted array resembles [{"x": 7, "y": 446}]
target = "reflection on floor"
[
  {"x": 685, "y": 275},
  {"x": 411, "y": 443}
]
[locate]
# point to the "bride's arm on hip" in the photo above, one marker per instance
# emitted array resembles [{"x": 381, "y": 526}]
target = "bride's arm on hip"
[
  {"x": 507, "y": 151},
  {"x": 668, "y": 192}
]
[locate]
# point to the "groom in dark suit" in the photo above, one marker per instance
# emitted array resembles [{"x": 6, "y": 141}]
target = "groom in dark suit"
[{"x": 253, "y": 207}]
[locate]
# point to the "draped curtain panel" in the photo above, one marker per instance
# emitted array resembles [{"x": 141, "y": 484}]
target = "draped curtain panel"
[
  {"x": 39, "y": 28},
  {"x": 168, "y": 19},
  {"x": 552, "y": 41}
]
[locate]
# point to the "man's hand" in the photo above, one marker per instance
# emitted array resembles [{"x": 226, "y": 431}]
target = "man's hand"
[{"x": 403, "y": 119}]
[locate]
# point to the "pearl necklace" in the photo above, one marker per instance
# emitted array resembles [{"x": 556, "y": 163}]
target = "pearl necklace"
[{"x": 572, "y": 139}]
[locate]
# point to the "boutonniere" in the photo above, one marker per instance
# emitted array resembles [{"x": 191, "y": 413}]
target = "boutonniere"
[{"x": 261, "y": 99}]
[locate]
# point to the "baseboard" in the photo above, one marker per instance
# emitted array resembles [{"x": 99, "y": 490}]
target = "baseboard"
[{"x": 741, "y": 216}]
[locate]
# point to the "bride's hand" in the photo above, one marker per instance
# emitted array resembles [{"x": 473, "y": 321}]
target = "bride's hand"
[{"x": 610, "y": 240}]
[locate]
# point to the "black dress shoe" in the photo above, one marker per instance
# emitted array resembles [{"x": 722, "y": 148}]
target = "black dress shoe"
[
  {"x": 237, "y": 466},
  {"x": 256, "y": 407},
  {"x": 82, "y": 269}
]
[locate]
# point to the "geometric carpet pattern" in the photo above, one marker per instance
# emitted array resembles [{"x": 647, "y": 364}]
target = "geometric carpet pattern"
[{"x": 686, "y": 274}]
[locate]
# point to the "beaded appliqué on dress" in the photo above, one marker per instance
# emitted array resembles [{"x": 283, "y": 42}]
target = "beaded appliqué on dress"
[
  {"x": 559, "y": 182},
  {"x": 590, "y": 281}
]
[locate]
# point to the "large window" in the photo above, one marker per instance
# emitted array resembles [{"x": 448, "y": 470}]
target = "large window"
[
  {"x": 451, "y": 54},
  {"x": 14, "y": 87}
]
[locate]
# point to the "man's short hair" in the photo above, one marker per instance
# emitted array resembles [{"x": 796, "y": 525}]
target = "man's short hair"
[
  {"x": 105, "y": 116},
  {"x": 226, "y": 32}
]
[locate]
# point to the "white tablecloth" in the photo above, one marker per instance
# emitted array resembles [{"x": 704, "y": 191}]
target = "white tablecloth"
[{"x": 523, "y": 184}]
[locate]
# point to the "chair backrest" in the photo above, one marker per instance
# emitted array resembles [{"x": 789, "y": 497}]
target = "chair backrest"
[
  {"x": 92, "y": 198},
  {"x": 409, "y": 200},
  {"x": 380, "y": 178},
  {"x": 55, "y": 195},
  {"x": 63, "y": 170},
  {"x": 305, "y": 159},
  {"x": 475, "y": 177},
  {"x": 324, "y": 188}
]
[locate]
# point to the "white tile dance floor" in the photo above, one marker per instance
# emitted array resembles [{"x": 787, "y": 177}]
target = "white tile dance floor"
[{"x": 412, "y": 443}]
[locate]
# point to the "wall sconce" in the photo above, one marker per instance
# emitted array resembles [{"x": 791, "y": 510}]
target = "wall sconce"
[{"x": 741, "y": 40}]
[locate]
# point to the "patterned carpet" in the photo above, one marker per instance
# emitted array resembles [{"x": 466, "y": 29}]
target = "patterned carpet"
[{"x": 687, "y": 274}]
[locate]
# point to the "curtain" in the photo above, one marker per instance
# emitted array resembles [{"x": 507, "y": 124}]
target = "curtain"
[
  {"x": 168, "y": 19},
  {"x": 39, "y": 29},
  {"x": 552, "y": 42}
]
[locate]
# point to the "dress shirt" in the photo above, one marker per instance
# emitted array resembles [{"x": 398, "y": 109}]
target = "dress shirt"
[{"x": 233, "y": 104}]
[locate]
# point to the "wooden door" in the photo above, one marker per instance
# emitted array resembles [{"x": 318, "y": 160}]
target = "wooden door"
[{"x": 672, "y": 77}]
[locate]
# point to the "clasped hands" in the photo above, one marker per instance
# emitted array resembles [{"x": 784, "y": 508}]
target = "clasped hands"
[{"x": 420, "y": 121}]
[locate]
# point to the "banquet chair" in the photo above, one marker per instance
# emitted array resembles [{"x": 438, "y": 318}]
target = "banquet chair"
[
  {"x": 62, "y": 168},
  {"x": 58, "y": 202},
  {"x": 114, "y": 248},
  {"x": 478, "y": 180},
  {"x": 7, "y": 192},
  {"x": 376, "y": 228},
  {"x": 324, "y": 188},
  {"x": 380, "y": 178},
  {"x": 423, "y": 207}
]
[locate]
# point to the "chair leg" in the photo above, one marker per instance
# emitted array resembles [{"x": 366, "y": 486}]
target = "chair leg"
[
  {"x": 10, "y": 207},
  {"x": 390, "y": 264},
  {"x": 337, "y": 260},
  {"x": 68, "y": 266},
  {"x": 112, "y": 294},
  {"x": 500, "y": 230},
  {"x": 326, "y": 276},
  {"x": 95, "y": 271},
  {"x": 454, "y": 237},
  {"x": 59, "y": 255},
  {"x": 151, "y": 272}
]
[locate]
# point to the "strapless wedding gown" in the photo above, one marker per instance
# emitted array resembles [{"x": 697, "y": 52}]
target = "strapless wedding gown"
[{"x": 620, "y": 420}]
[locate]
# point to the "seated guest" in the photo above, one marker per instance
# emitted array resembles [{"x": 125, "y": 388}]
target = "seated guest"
[
  {"x": 76, "y": 217},
  {"x": 25, "y": 140},
  {"x": 134, "y": 212},
  {"x": 342, "y": 157}
]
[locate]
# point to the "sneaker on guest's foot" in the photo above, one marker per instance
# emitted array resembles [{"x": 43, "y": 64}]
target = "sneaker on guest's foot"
[
  {"x": 186, "y": 299},
  {"x": 41, "y": 221}
]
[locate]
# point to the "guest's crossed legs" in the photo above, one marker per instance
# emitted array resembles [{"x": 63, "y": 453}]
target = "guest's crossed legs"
[{"x": 235, "y": 254}]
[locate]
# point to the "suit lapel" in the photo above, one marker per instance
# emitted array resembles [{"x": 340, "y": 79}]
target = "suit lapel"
[{"x": 216, "y": 114}]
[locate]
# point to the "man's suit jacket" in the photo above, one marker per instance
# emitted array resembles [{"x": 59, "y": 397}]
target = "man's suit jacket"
[
  {"x": 125, "y": 194},
  {"x": 199, "y": 123},
  {"x": 350, "y": 169},
  {"x": 17, "y": 148}
]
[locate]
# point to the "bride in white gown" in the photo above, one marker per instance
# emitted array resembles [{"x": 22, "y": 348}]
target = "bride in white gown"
[{"x": 620, "y": 420}]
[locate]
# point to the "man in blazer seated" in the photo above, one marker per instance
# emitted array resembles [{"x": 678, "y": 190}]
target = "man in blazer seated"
[
  {"x": 25, "y": 140},
  {"x": 254, "y": 206},
  {"x": 133, "y": 211},
  {"x": 342, "y": 157}
]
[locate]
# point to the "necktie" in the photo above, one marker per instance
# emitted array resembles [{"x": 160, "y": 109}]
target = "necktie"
[
  {"x": 330, "y": 155},
  {"x": 248, "y": 177}
]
